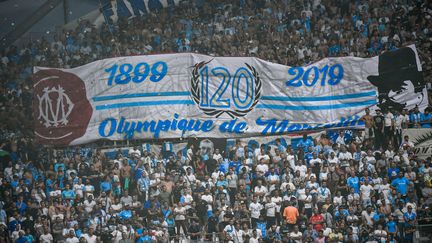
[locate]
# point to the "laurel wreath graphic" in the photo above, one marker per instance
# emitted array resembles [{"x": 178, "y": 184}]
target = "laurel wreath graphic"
[
  {"x": 423, "y": 138},
  {"x": 195, "y": 92}
]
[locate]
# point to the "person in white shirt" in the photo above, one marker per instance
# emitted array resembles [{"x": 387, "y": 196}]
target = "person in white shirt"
[
  {"x": 230, "y": 231},
  {"x": 323, "y": 192},
  {"x": 277, "y": 199},
  {"x": 366, "y": 191},
  {"x": 367, "y": 216},
  {"x": 399, "y": 120},
  {"x": 190, "y": 176},
  {"x": 189, "y": 153},
  {"x": 353, "y": 196},
  {"x": 242, "y": 233},
  {"x": 79, "y": 188},
  {"x": 323, "y": 175},
  {"x": 377, "y": 181},
  {"x": 326, "y": 230},
  {"x": 262, "y": 167},
  {"x": 370, "y": 157},
  {"x": 134, "y": 152},
  {"x": 291, "y": 158},
  {"x": 389, "y": 153},
  {"x": 89, "y": 204},
  {"x": 296, "y": 235},
  {"x": 88, "y": 189},
  {"x": 207, "y": 196},
  {"x": 388, "y": 125},
  {"x": 406, "y": 143},
  {"x": 315, "y": 161},
  {"x": 265, "y": 158},
  {"x": 352, "y": 217},
  {"x": 272, "y": 179},
  {"x": 90, "y": 237},
  {"x": 270, "y": 211},
  {"x": 340, "y": 139},
  {"x": 312, "y": 184},
  {"x": 71, "y": 238},
  {"x": 257, "y": 151},
  {"x": 333, "y": 160},
  {"x": 301, "y": 167},
  {"x": 337, "y": 200},
  {"x": 186, "y": 199},
  {"x": 217, "y": 156},
  {"x": 17, "y": 233},
  {"x": 126, "y": 199},
  {"x": 46, "y": 237},
  {"x": 287, "y": 186},
  {"x": 344, "y": 155},
  {"x": 255, "y": 208},
  {"x": 301, "y": 192},
  {"x": 240, "y": 152},
  {"x": 380, "y": 234},
  {"x": 384, "y": 187},
  {"x": 308, "y": 203},
  {"x": 254, "y": 238},
  {"x": 260, "y": 190}
]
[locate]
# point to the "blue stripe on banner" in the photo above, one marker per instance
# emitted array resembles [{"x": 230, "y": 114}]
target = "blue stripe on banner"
[
  {"x": 144, "y": 103},
  {"x": 259, "y": 106},
  {"x": 320, "y": 98},
  {"x": 317, "y": 107},
  {"x": 139, "y": 95}
]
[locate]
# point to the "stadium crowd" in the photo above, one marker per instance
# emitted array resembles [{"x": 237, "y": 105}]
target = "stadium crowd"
[{"x": 370, "y": 188}]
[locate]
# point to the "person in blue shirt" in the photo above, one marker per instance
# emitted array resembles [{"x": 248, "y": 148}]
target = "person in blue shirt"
[
  {"x": 401, "y": 184},
  {"x": 15, "y": 182},
  {"x": 317, "y": 148},
  {"x": 29, "y": 236},
  {"x": 59, "y": 166},
  {"x": 68, "y": 193},
  {"x": 222, "y": 181},
  {"x": 334, "y": 48},
  {"x": 409, "y": 215},
  {"x": 415, "y": 117},
  {"x": 341, "y": 214},
  {"x": 22, "y": 238},
  {"x": 366, "y": 177},
  {"x": 354, "y": 182},
  {"x": 305, "y": 142},
  {"x": 21, "y": 205},
  {"x": 308, "y": 155},
  {"x": 409, "y": 227},
  {"x": 105, "y": 185},
  {"x": 14, "y": 222},
  {"x": 152, "y": 202},
  {"x": 392, "y": 169},
  {"x": 426, "y": 119},
  {"x": 145, "y": 238},
  {"x": 235, "y": 163},
  {"x": 262, "y": 225},
  {"x": 224, "y": 165},
  {"x": 126, "y": 213},
  {"x": 280, "y": 146},
  {"x": 391, "y": 227}
]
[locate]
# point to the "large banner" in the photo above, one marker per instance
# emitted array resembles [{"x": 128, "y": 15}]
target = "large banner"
[
  {"x": 422, "y": 140},
  {"x": 192, "y": 95}
]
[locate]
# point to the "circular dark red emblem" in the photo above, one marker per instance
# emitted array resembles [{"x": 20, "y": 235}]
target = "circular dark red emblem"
[{"x": 61, "y": 109}]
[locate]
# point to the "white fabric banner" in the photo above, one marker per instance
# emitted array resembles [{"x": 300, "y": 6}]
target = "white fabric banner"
[{"x": 192, "y": 95}]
